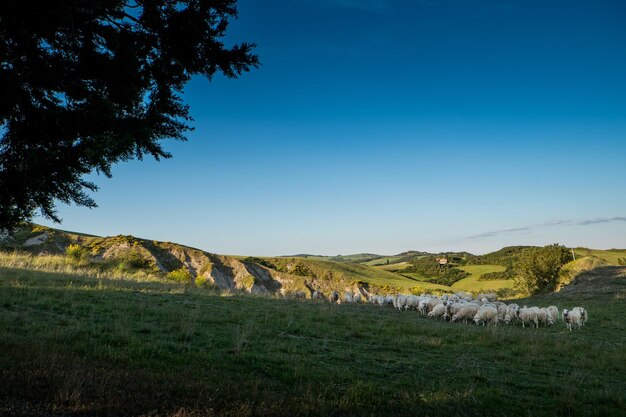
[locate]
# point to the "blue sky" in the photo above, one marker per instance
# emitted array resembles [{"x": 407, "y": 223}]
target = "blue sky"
[{"x": 390, "y": 125}]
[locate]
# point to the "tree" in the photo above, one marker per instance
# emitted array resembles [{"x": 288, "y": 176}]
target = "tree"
[
  {"x": 537, "y": 269},
  {"x": 87, "y": 84}
]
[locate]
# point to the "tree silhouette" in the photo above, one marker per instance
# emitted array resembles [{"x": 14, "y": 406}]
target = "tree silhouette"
[{"x": 87, "y": 84}]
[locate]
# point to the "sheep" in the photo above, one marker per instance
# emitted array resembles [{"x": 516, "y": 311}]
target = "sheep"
[
  {"x": 465, "y": 313},
  {"x": 542, "y": 315},
  {"x": 412, "y": 302},
  {"x": 488, "y": 296},
  {"x": 356, "y": 298},
  {"x": 511, "y": 313},
  {"x": 453, "y": 308},
  {"x": 553, "y": 315},
  {"x": 380, "y": 299},
  {"x": 502, "y": 309},
  {"x": 390, "y": 300},
  {"x": 432, "y": 303},
  {"x": 583, "y": 314},
  {"x": 423, "y": 305},
  {"x": 529, "y": 315},
  {"x": 438, "y": 311},
  {"x": 571, "y": 318},
  {"x": 347, "y": 297},
  {"x": 486, "y": 314},
  {"x": 400, "y": 302}
]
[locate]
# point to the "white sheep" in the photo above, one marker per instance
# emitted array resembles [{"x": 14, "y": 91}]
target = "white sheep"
[
  {"x": 390, "y": 300},
  {"x": 542, "y": 315},
  {"x": 423, "y": 305},
  {"x": 453, "y": 308},
  {"x": 486, "y": 314},
  {"x": 572, "y": 318},
  {"x": 467, "y": 312},
  {"x": 356, "y": 298},
  {"x": 553, "y": 315},
  {"x": 511, "y": 313},
  {"x": 502, "y": 309},
  {"x": 438, "y": 311},
  {"x": 432, "y": 303},
  {"x": 412, "y": 302},
  {"x": 400, "y": 302},
  {"x": 583, "y": 314},
  {"x": 528, "y": 315},
  {"x": 347, "y": 297}
]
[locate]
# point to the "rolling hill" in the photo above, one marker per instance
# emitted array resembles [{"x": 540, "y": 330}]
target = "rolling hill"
[{"x": 116, "y": 256}]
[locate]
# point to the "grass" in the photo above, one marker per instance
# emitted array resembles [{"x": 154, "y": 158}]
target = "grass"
[
  {"x": 473, "y": 283},
  {"x": 478, "y": 270},
  {"x": 348, "y": 273},
  {"x": 73, "y": 345},
  {"x": 611, "y": 256},
  {"x": 393, "y": 267},
  {"x": 383, "y": 260}
]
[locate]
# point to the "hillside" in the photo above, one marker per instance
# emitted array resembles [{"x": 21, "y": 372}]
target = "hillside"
[
  {"x": 299, "y": 275},
  {"x": 73, "y": 345},
  {"x": 93, "y": 255}
]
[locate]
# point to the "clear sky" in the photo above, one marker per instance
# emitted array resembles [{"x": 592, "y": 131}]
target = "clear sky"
[{"x": 389, "y": 125}]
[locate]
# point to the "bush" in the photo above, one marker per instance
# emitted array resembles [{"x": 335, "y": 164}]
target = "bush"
[
  {"x": 260, "y": 261},
  {"x": 247, "y": 282},
  {"x": 202, "y": 281},
  {"x": 77, "y": 253},
  {"x": 494, "y": 276},
  {"x": 538, "y": 269},
  {"x": 181, "y": 275},
  {"x": 132, "y": 261},
  {"x": 622, "y": 261},
  {"x": 504, "y": 293}
]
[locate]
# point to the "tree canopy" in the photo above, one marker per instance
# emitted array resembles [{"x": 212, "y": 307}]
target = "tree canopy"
[
  {"x": 87, "y": 84},
  {"x": 537, "y": 269}
]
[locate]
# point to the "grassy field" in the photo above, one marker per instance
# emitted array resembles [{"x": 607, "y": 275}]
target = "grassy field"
[
  {"x": 350, "y": 272},
  {"x": 72, "y": 345},
  {"x": 473, "y": 283},
  {"x": 478, "y": 270},
  {"x": 383, "y": 260},
  {"x": 610, "y": 256},
  {"x": 393, "y": 267}
]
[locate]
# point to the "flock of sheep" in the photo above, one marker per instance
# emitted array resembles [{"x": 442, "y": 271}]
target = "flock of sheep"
[{"x": 483, "y": 309}]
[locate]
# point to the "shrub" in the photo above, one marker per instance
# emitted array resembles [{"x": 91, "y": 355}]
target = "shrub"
[
  {"x": 77, "y": 253},
  {"x": 417, "y": 290},
  {"x": 493, "y": 276},
  {"x": 132, "y": 261},
  {"x": 202, "y": 281},
  {"x": 622, "y": 261},
  {"x": 247, "y": 282},
  {"x": 181, "y": 275},
  {"x": 260, "y": 261},
  {"x": 504, "y": 293}
]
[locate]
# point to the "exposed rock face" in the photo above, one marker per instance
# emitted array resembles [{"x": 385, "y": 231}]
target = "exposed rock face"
[
  {"x": 36, "y": 240},
  {"x": 290, "y": 277}
]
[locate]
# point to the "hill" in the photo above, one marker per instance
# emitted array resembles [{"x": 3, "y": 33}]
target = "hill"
[
  {"x": 128, "y": 346},
  {"x": 92, "y": 255}
]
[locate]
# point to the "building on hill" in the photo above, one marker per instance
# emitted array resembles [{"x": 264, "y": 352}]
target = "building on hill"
[{"x": 442, "y": 261}]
